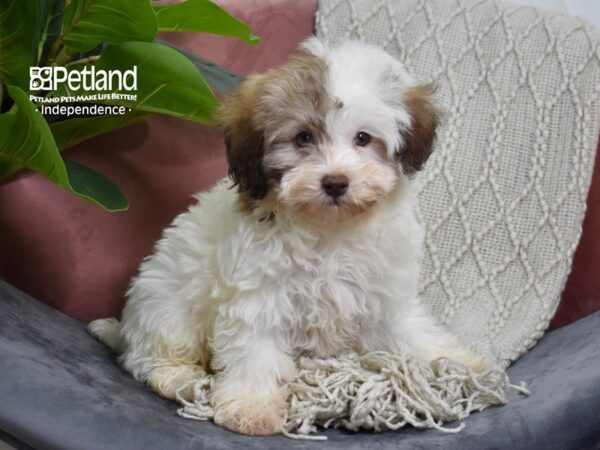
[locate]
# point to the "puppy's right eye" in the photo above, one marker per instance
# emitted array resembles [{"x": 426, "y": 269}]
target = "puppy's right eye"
[{"x": 303, "y": 139}]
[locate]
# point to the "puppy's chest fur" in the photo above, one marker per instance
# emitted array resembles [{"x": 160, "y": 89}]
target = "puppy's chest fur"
[
  {"x": 329, "y": 296},
  {"x": 322, "y": 290},
  {"x": 329, "y": 286}
]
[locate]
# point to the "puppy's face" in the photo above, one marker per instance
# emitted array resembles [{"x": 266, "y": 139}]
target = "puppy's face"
[{"x": 330, "y": 133}]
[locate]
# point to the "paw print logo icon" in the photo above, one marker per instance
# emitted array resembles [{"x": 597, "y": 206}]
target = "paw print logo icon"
[{"x": 40, "y": 78}]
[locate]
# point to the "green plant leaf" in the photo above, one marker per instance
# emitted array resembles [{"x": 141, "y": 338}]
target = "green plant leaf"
[
  {"x": 72, "y": 131},
  {"x": 87, "y": 23},
  {"x": 220, "y": 78},
  {"x": 22, "y": 24},
  {"x": 167, "y": 82},
  {"x": 202, "y": 16},
  {"x": 26, "y": 142},
  {"x": 95, "y": 187}
]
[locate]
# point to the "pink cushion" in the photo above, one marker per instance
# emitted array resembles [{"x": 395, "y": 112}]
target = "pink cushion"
[
  {"x": 581, "y": 296},
  {"x": 79, "y": 258}
]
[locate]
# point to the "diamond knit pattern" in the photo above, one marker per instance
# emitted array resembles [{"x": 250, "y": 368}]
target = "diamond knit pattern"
[{"x": 504, "y": 193}]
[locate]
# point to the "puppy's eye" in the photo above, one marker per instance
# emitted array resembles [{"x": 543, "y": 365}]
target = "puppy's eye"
[
  {"x": 303, "y": 139},
  {"x": 361, "y": 139}
]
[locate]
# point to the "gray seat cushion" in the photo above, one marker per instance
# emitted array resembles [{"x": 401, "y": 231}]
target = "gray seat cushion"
[{"x": 61, "y": 389}]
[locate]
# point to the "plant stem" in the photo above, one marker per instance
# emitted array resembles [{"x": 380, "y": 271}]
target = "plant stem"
[
  {"x": 87, "y": 60},
  {"x": 63, "y": 57},
  {"x": 1, "y": 94},
  {"x": 54, "y": 50}
]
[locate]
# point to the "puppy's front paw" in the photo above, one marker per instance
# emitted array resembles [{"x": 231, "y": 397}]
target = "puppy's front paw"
[
  {"x": 168, "y": 379},
  {"x": 478, "y": 363},
  {"x": 254, "y": 416}
]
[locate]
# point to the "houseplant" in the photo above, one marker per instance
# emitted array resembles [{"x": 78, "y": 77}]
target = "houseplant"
[{"x": 53, "y": 42}]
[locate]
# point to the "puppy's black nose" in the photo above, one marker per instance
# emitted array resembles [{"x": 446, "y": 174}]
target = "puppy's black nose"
[{"x": 335, "y": 185}]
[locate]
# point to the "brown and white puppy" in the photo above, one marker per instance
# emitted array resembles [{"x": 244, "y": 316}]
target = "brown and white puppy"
[{"x": 316, "y": 252}]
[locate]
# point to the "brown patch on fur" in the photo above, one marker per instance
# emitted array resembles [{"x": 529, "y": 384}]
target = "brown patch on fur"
[
  {"x": 244, "y": 203},
  {"x": 244, "y": 139},
  {"x": 296, "y": 90},
  {"x": 380, "y": 148},
  {"x": 263, "y": 110},
  {"x": 420, "y": 138}
]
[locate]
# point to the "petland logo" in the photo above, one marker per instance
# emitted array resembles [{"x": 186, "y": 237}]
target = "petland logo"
[
  {"x": 90, "y": 92},
  {"x": 87, "y": 79}
]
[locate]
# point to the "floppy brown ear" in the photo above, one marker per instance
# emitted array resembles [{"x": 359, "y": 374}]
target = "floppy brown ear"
[
  {"x": 419, "y": 139},
  {"x": 244, "y": 141}
]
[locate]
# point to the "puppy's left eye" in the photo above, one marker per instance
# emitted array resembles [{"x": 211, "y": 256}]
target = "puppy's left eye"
[
  {"x": 361, "y": 139},
  {"x": 303, "y": 139}
]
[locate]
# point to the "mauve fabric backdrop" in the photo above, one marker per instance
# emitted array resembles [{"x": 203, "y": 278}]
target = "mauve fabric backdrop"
[
  {"x": 581, "y": 296},
  {"x": 79, "y": 258}
]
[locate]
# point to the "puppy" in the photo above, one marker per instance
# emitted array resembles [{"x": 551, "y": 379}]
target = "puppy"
[{"x": 317, "y": 251}]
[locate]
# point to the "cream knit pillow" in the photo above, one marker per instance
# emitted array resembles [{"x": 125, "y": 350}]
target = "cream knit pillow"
[{"x": 504, "y": 193}]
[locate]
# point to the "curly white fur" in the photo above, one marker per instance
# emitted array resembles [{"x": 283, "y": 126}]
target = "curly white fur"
[{"x": 245, "y": 291}]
